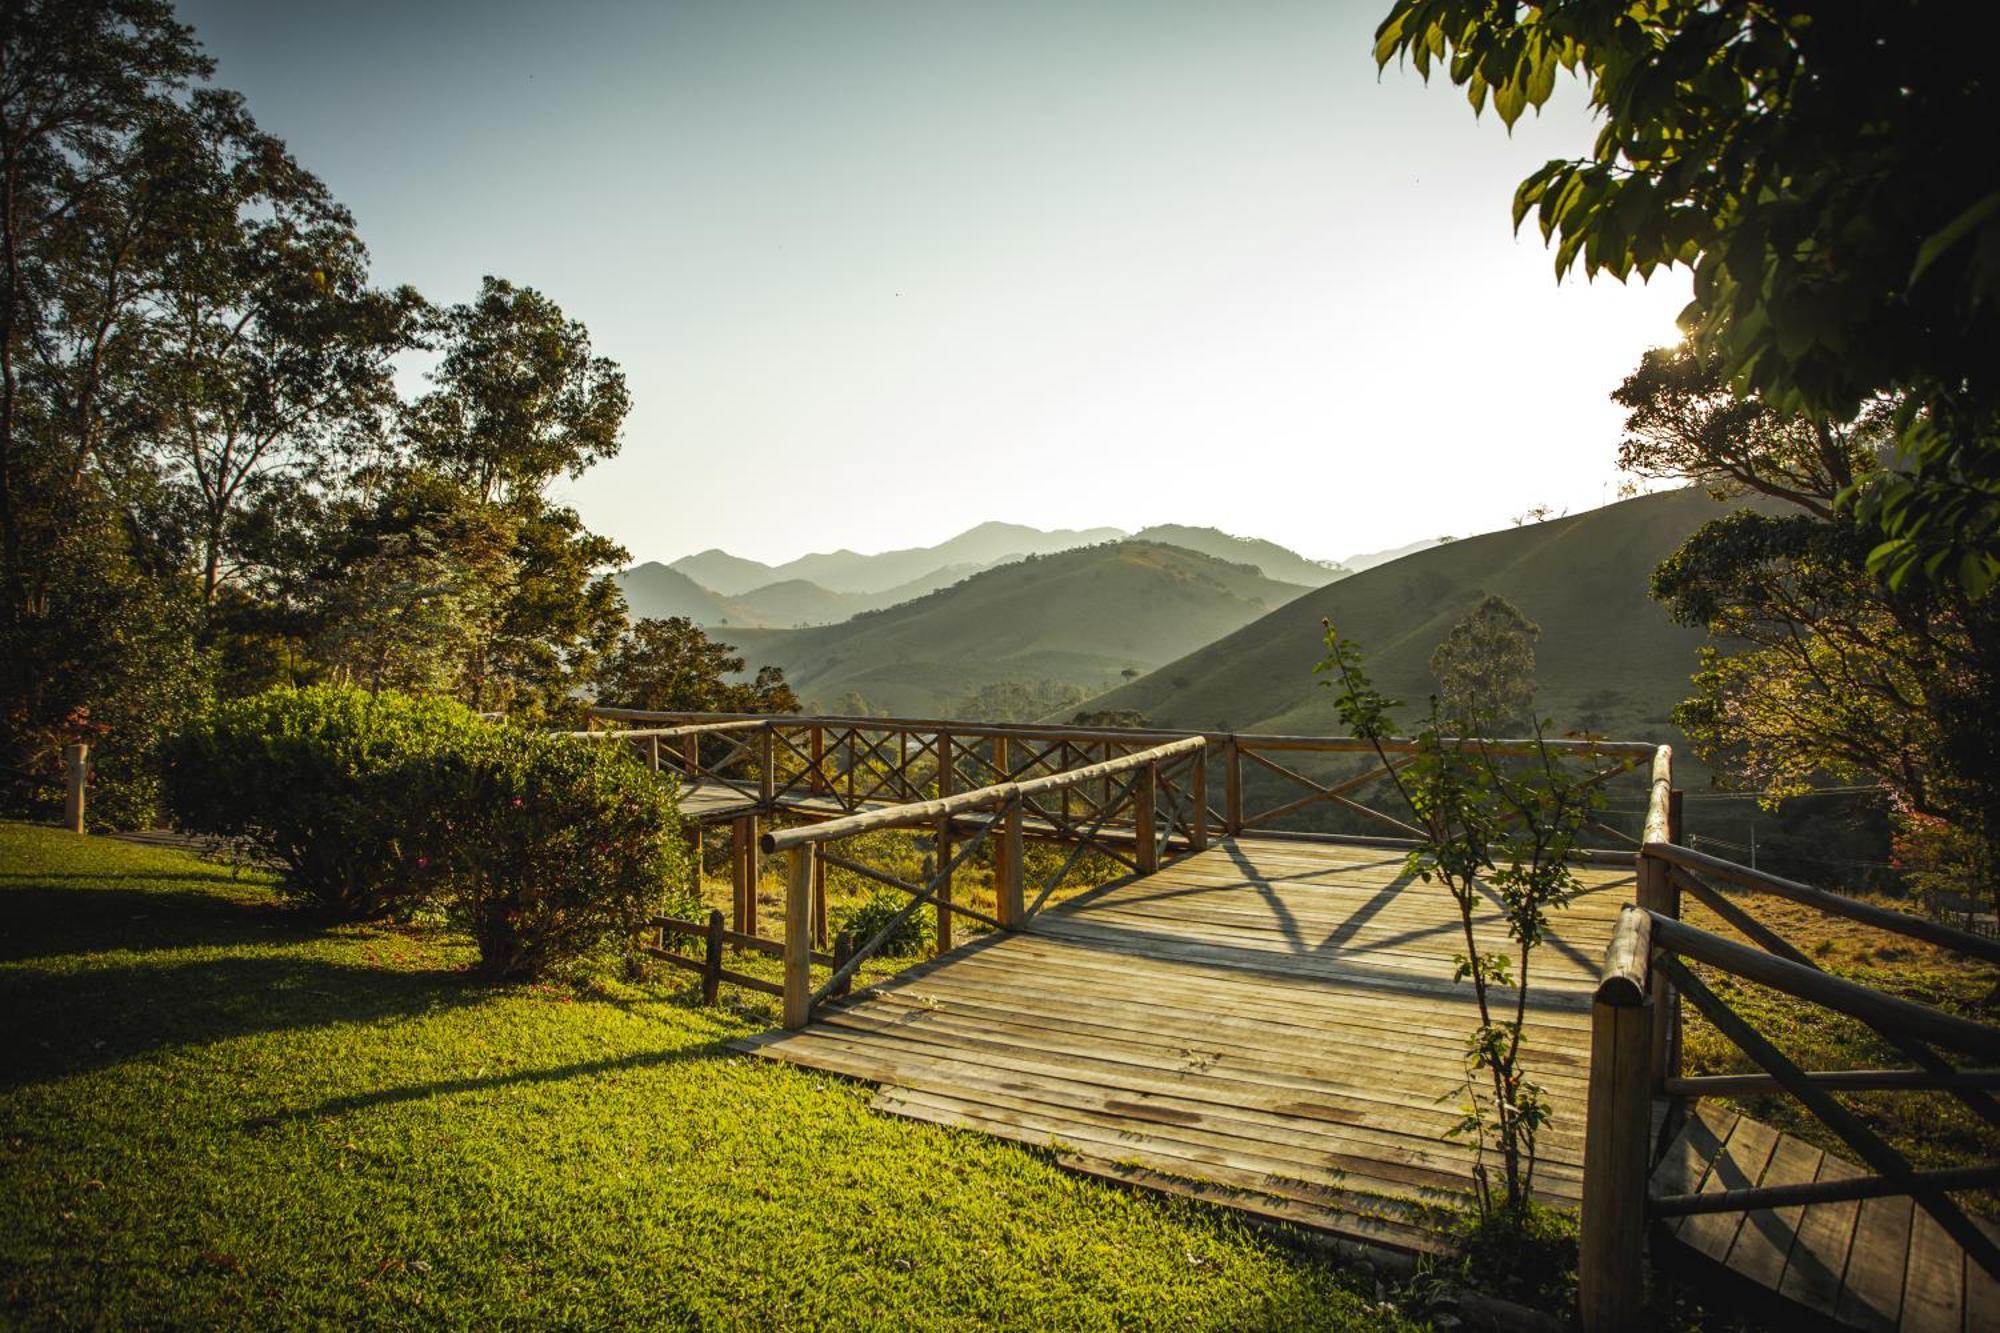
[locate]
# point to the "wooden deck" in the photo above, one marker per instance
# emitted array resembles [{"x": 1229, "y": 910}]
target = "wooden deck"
[
  {"x": 1871, "y": 1264},
  {"x": 1269, "y": 1024}
]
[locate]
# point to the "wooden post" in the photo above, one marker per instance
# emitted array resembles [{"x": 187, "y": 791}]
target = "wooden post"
[
  {"x": 1008, "y": 904},
  {"x": 1232, "y": 787},
  {"x": 818, "y": 749},
  {"x": 767, "y": 771},
  {"x": 1198, "y": 795},
  {"x": 1611, "y": 1258},
  {"x": 746, "y": 868},
  {"x": 1145, "y": 795},
  {"x": 711, "y": 962},
  {"x": 691, "y": 748},
  {"x": 1000, "y": 758},
  {"x": 694, "y": 854},
  {"x": 843, "y": 949},
  {"x": 1656, "y": 894},
  {"x": 798, "y": 936},
  {"x": 819, "y": 903},
  {"x": 652, "y": 754},
  {"x": 76, "y": 758},
  {"x": 944, "y": 846}
]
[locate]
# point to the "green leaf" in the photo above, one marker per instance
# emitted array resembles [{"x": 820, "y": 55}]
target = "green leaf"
[{"x": 1954, "y": 232}]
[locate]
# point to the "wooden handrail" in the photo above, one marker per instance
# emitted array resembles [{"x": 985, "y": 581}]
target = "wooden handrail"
[
  {"x": 1836, "y": 904},
  {"x": 1871, "y": 1006},
  {"x": 1627, "y": 976},
  {"x": 1151, "y": 735},
  {"x": 1000, "y": 794}
]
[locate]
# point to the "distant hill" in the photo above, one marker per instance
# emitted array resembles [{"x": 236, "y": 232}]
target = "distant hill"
[
  {"x": 1277, "y": 562},
  {"x": 851, "y": 572},
  {"x": 729, "y": 575},
  {"x": 659, "y": 592},
  {"x": 1609, "y": 660},
  {"x": 1081, "y": 616},
  {"x": 1354, "y": 564}
]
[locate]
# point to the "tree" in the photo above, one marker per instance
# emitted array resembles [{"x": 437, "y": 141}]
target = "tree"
[
  {"x": 1485, "y": 669},
  {"x": 517, "y": 401},
  {"x": 266, "y": 347},
  {"x": 1831, "y": 670},
  {"x": 670, "y": 666},
  {"x": 1830, "y": 177},
  {"x": 1486, "y": 827}
]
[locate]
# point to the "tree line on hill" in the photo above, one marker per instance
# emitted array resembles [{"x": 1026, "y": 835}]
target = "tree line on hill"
[{"x": 209, "y": 483}]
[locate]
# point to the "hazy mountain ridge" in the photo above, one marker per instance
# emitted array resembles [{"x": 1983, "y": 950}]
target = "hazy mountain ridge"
[
  {"x": 718, "y": 589},
  {"x": 1081, "y": 616}
]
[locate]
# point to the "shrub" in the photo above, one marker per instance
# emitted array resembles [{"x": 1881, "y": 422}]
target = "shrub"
[
  {"x": 911, "y": 938},
  {"x": 339, "y": 786},
  {"x": 560, "y": 849}
]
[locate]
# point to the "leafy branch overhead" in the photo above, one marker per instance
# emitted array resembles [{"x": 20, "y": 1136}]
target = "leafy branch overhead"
[{"x": 1829, "y": 175}]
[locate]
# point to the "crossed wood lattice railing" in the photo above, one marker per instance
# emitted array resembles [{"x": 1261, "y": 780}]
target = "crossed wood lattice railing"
[{"x": 1650, "y": 966}]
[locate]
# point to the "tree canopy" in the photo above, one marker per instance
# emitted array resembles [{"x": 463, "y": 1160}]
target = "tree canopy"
[{"x": 1830, "y": 175}]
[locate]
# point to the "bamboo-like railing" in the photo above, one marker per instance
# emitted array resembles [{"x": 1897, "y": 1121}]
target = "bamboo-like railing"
[{"x": 1635, "y": 1056}]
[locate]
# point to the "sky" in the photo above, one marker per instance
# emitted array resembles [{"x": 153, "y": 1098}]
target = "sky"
[{"x": 879, "y": 271}]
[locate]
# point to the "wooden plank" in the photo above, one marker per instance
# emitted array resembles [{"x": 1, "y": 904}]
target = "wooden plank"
[
  {"x": 1074, "y": 1135},
  {"x": 1739, "y": 1163},
  {"x": 1309, "y": 1103},
  {"x": 1764, "y": 1243},
  {"x": 1982, "y": 1296},
  {"x": 1934, "y": 1282},
  {"x": 1819, "y": 1254},
  {"x": 1871, "y": 1294},
  {"x": 1686, "y": 1162}
]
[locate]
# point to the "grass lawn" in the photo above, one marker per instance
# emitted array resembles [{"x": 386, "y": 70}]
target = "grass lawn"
[{"x": 213, "y": 1111}]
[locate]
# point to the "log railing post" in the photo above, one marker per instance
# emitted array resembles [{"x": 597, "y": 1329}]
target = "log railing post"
[
  {"x": 691, "y": 750},
  {"x": 1000, "y": 759},
  {"x": 747, "y": 869},
  {"x": 943, "y": 842},
  {"x": 76, "y": 760},
  {"x": 798, "y": 935},
  {"x": 819, "y": 903},
  {"x": 817, "y": 785},
  {"x": 1198, "y": 796},
  {"x": 1009, "y": 906},
  {"x": 767, "y": 766},
  {"x": 1617, "y": 1142},
  {"x": 711, "y": 961},
  {"x": 1659, "y": 894},
  {"x": 1145, "y": 794},
  {"x": 1232, "y": 787},
  {"x": 653, "y": 754}
]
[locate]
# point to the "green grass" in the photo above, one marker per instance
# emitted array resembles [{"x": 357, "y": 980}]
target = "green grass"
[
  {"x": 212, "y": 1111},
  {"x": 1934, "y": 1129}
]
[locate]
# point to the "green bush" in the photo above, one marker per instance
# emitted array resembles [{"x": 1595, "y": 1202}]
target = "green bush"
[
  {"x": 340, "y": 787},
  {"x": 560, "y": 849},
  {"x": 910, "y": 939}
]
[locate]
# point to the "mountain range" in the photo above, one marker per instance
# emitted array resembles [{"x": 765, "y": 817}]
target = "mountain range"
[
  {"x": 1081, "y": 618},
  {"x": 716, "y": 589}
]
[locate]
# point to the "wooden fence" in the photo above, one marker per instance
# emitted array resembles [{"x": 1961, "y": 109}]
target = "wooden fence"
[{"x": 1635, "y": 1057}]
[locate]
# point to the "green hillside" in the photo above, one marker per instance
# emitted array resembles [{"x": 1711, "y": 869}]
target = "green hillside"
[
  {"x": 1080, "y": 617},
  {"x": 1276, "y": 561},
  {"x": 658, "y": 592},
  {"x": 1608, "y": 661}
]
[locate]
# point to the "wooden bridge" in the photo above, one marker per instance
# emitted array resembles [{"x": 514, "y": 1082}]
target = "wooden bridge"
[{"x": 1261, "y": 1011}]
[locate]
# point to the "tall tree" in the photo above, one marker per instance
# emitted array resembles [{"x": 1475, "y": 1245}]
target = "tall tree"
[
  {"x": 1843, "y": 673},
  {"x": 268, "y": 348},
  {"x": 1830, "y": 175},
  {"x": 1485, "y": 669},
  {"x": 671, "y": 666},
  {"x": 518, "y": 400}
]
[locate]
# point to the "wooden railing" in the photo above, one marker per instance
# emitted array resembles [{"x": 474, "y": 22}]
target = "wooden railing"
[
  {"x": 996, "y": 815},
  {"x": 827, "y": 763},
  {"x": 1635, "y": 1058}
]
